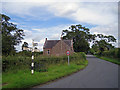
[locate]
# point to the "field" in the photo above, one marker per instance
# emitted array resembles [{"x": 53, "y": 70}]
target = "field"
[{"x": 17, "y": 70}]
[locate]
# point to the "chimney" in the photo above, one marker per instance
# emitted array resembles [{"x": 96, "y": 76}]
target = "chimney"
[{"x": 46, "y": 39}]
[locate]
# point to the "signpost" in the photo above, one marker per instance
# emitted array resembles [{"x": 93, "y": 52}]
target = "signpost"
[
  {"x": 32, "y": 64},
  {"x": 68, "y": 53}
]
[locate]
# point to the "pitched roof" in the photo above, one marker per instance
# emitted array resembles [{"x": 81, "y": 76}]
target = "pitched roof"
[{"x": 51, "y": 43}]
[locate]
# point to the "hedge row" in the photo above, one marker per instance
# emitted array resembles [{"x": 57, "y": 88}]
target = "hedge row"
[
  {"x": 22, "y": 62},
  {"x": 114, "y": 53}
]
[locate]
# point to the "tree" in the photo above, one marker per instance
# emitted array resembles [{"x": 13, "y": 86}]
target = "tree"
[
  {"x": 11, "y": 35},
  {"x": 80, "y": 35},
  {"x": 25, "y": 44},
  {"x": 103, "y": 44}
]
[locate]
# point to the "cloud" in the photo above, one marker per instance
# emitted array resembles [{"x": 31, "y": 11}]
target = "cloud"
[
  {"x": 55, "y": 36},
  {"x": 39, "y": 35},
  {"x": 14, "y": 22},
  {"x": 111, "y": 29},
  {"x": 60, "y": 1},
  {"x": 103, "y": 15},
  {"x": 90, "y": 12}
]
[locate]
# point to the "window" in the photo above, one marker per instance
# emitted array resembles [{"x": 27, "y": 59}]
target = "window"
[{"x": 48, "y": 52}]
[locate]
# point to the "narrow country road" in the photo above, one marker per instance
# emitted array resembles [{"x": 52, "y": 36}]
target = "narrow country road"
[{"x": 98, "y": 74}]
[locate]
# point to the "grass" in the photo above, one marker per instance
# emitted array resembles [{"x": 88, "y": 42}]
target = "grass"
[
  {"x": 0, "y": 80},
  {"x": 113, "y": 60},
  {"x": 24, "y": 79}
]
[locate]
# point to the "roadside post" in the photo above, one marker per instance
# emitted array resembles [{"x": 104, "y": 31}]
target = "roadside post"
[
  {"x": 68, "y": 53},
  {"x": 32, "y": 64}
]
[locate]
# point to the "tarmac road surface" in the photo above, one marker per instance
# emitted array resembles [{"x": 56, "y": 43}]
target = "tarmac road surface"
[{"x": 98, "y": 74}]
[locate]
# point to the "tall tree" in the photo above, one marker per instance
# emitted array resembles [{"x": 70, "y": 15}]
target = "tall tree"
[
  {"x": 11, "y": 35},
  {"x": 80, "y": 35},
  {"x": 103, "y": 43}
]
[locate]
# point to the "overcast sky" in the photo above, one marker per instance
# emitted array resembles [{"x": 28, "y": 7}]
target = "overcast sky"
[{"x": 41, "y": 19}]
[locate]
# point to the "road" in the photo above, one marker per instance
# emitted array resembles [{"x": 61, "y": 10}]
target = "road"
[{"x": 98, "y": 74}]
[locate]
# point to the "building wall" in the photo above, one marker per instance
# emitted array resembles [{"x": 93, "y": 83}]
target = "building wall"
[
  {"x": 45, "y": 51},
  {"x": 59, "y": 49}
]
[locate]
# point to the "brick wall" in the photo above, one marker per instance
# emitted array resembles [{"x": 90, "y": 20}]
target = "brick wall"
[
  {"x": 45, "y": 51},
  {"x": 59, "y": 49}
]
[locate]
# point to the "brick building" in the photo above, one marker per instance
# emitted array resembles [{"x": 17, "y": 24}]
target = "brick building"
[{"x": 57, "y": 47}]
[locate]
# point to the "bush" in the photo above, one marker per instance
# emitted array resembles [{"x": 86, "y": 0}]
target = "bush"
[
  {"x": 113, "y": 53},
  {"x": 118, "y": 54},
  {"x": 23, "y": 60},
  {"x": 92, "y": 51},
  {"x": 24, "y": 53}
]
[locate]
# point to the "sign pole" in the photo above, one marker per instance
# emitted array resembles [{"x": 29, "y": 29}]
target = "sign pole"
[
  {"x": 68, "y": 59},
  {"x": 68, "y": 53}
]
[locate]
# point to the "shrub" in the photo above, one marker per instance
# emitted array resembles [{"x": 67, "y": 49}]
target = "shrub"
[
  {"x": 24, "y": 53},
  {"x": 92, "y": 51},
  {"x": 23, "y": 60},
  {"x": 118, "y": 54},
  {"x": 114, "y": 53}
]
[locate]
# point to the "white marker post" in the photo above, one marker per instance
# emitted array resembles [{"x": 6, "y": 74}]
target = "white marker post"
[
  {"x": 32, "y": 64},
  {"x": 68, "y": 53}
]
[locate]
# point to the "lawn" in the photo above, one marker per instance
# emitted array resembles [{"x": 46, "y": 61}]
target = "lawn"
[
  {"x": 24, "y": 79},
  {"x": 17, "y": 71}
]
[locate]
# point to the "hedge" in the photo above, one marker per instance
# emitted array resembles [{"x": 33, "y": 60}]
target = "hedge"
[
  {"x": 114, "y": 53},
  {"x": 21, "y": 62}
]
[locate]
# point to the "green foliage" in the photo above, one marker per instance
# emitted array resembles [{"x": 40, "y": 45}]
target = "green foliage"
[
  {"x": 24, "y": 79},
  {"x": 80, "y": 35},
  {"x": 103, "y": 44},
  {"x": 18, "y": 74},
  {"x": 11, "y": 35},
  {"x": 118, "y": 53},
  {"x": 110, "y": 59},
  {"x": 114, "y": 53},
  {"x": 92, "y": 51},
  {"x": 24, "y": 53},
  {"x": 23, "y": 59}
]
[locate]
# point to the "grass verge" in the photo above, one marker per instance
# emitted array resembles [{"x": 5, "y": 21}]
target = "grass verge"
[
  {"x": 113, "y": 60},
  {"x": 24, "y": 79}
]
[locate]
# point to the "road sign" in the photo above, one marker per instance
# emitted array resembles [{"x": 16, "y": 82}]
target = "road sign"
[{"x": 68, "y": 52}]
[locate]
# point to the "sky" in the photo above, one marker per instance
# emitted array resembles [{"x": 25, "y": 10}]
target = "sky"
[{"x": 44, "y": 19}]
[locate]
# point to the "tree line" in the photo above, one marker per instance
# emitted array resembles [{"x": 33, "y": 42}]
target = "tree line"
[
  {"x": 12, "y": 36},
  {"x": 82, "y": 38}
]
